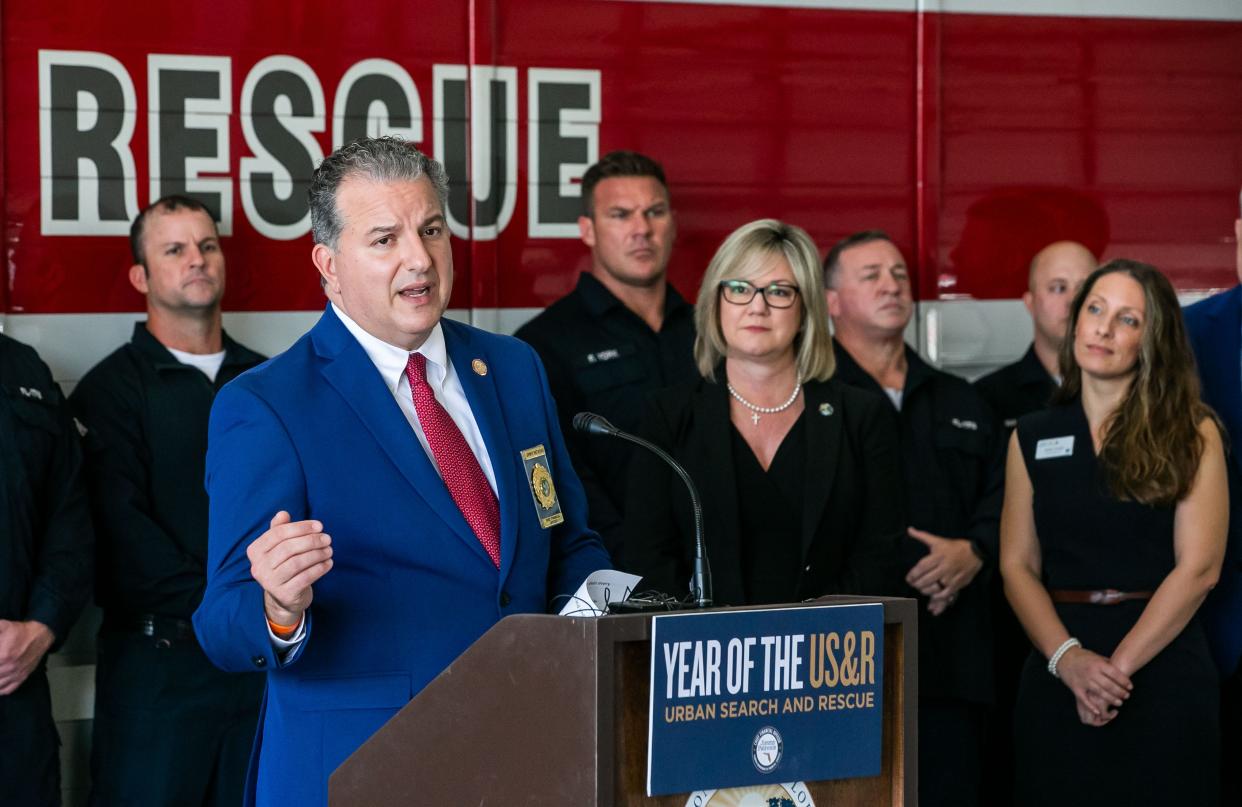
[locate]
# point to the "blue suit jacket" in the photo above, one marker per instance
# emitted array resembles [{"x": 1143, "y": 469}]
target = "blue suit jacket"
[
  {"x": 1215, "y": 329},
  {"x": 316, "y": 432}
]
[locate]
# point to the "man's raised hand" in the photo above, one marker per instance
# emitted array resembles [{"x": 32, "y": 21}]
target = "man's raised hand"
[{"x": 286, "y": 560}]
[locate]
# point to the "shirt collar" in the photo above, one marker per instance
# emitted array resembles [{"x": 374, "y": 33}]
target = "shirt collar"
[
  {"x": 850, "y": 371},
  {"x": 146, "y": 343},
  {"x": 599, "y": 300},
  {"x": 1031, "y": 371},
  {"x": 390, "y": 360}
]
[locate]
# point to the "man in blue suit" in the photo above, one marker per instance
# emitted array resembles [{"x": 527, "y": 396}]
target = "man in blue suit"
[
  {"x": 406, "y": 472},
  {"x": 1215, "y": 329}
]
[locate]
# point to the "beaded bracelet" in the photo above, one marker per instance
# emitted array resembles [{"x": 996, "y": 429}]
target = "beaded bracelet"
[{"x": 1068, "y": 644}]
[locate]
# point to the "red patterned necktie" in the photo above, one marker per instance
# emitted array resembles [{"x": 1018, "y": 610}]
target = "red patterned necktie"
[{"x": 460, "y": 469}]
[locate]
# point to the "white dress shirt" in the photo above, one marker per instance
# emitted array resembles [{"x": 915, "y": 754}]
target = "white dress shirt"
[{"x": 390, "y": 361}]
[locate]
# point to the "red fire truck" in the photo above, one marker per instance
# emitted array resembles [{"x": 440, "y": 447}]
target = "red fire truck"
[
  {"x": 972, "y": 134},
  {"x": 972, "y": 131}
]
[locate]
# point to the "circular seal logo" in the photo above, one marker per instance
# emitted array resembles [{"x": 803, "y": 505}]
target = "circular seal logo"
[
  {"x": 541, "y": 483},
  {"x": 767, "y": 749},
  {"x": 790, "y": 794}
]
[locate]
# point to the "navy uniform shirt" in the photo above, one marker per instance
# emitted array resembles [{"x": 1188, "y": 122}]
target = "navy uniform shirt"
[
  {"x": 1017, "y": 389},
  {"x": 603, "y": 358},
  {"x": 145, "y": 415},
  {"x": 951, "y": 458},
  {"x": 45, "y": 530}
]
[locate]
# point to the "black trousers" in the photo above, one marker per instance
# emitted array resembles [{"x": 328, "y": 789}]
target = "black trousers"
[
  {"x": 29, "y": 745},
  {"x": 170, "y": 728},
  {"x": 1011, "y": 650},
  {"x": 951, "y": 749},
  {"x": 1231, "y": 740}
]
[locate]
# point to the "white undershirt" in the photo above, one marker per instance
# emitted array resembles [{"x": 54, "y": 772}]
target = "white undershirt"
[
  {"x": 209, "y": 363},
  {"x": 894, "y": 395}
]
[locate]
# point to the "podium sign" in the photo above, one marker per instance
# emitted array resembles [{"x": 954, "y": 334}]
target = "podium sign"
[{"x": 758, "y": 697}]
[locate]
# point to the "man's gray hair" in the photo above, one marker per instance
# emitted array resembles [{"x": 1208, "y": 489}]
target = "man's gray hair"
[{"x": 382, "y": 159}]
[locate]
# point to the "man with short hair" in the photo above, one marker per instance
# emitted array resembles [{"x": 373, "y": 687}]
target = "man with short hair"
[
  {"x": 45, "y": 567},
  {"x": 1214, "y": 326},
  {"x": 169, "y": 727},
  {"x": 1027, "y": 385},
  {"x": 623, "y": 332},
  {"x": 951, "y": 460},
  {"x": 405, "y": 471}
]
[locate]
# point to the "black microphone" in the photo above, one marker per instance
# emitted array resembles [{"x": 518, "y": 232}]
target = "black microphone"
[{"x": 701, "y": 580}]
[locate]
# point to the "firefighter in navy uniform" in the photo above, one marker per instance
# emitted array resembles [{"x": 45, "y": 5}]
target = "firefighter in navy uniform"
[
  {"x": 45, "y": 567},
  {"x": 623, "y": 332},
  {"x": 951, "y": 458},
  {"x": 170, "y": 728},
  {"x": 1027, "y": 385}
]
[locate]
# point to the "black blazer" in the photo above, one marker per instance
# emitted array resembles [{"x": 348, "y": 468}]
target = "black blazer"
[{"x": 852, "y": 513}]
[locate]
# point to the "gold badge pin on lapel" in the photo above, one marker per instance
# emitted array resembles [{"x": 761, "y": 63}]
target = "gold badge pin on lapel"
[
  {"x": 825, "y": 409},
  {"x": 479, "y": 366},
  {"x": 541, "y": 486}
]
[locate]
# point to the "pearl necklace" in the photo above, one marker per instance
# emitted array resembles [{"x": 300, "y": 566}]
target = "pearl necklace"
[{"x": 756, "y": 411}]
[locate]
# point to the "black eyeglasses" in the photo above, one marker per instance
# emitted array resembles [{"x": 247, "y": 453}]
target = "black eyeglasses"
[{"x": 741, "y": 292}]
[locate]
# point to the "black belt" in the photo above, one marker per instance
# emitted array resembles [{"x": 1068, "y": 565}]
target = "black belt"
[{"x": 164, "y": 630}]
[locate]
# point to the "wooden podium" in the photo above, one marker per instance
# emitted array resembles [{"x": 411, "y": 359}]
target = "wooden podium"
[{"x": 548, "y": 710}]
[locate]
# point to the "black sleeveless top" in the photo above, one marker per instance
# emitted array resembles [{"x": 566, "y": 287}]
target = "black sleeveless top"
[
  {"x": 770, "y": 516},
  {"x": 1163, "y": 746},
  {"x": 1088, "y": 538}
]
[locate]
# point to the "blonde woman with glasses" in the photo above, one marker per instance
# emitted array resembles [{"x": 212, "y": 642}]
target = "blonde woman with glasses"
[{"x": 799, "y": 474}]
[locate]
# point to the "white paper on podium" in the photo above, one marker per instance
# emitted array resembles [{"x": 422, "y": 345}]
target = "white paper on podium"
[{"x": 599, "y": 589}]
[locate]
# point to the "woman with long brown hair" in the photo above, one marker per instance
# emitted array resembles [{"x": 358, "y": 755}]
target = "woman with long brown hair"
[{"x": 1113, "y": 532}]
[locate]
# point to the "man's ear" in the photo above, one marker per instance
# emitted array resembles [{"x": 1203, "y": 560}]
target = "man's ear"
[
  {"x": 586, "y": 229},
  {"x": 138, "y": 278},
  {"x": 325, "y": 261},
  {"x": 1028, "y": 300},
  {"x": 834, "y": 302}
]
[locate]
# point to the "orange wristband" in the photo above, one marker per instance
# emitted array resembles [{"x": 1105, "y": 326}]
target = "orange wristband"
[{"x": 283, "y": 630}]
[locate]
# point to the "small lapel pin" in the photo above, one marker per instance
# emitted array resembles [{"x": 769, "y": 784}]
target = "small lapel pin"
[
  {"x": 31, "y": 392},
  {"x": 479, "y": 366},
  {"x": 825, "y": 409}
]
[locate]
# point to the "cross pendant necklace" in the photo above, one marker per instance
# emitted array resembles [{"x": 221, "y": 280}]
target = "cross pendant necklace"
[{"x": 756, "y": 411}]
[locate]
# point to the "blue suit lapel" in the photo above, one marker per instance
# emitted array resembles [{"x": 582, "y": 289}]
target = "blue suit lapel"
[
  {"x": 349, "y": 370},
  {"x": 484, "y": 401}
]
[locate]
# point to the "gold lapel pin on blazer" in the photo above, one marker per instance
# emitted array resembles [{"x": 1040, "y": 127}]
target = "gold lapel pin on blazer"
[{"x": 479, "y": 366}]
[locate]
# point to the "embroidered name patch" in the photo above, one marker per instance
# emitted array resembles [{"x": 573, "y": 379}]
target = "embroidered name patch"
[
  {"x": 1054, "y": 447},
  {"x": 603, "y": 355}
]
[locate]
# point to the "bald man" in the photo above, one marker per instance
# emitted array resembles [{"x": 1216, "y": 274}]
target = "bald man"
[{"x": 1056, "y": 272}]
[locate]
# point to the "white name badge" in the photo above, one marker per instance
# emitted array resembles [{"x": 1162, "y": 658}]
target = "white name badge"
[{"x": 1054, "y": 447}]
